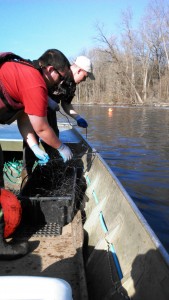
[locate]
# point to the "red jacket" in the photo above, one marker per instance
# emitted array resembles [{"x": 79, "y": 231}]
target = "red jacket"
[{"x": 26, "y": 86}]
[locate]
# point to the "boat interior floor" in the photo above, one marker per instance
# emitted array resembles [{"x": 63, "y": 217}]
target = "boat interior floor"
[{"x": 58, "y": 256}]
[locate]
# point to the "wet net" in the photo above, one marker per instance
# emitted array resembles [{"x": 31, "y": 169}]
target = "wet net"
[
  {"x": 52, "y": 180},
  {"x": 53, "y": 193}
]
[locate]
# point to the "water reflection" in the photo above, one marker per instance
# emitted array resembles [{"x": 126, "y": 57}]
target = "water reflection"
[
  {"x": 134, "y": 142},
  {"x": 110, "y": 112}
]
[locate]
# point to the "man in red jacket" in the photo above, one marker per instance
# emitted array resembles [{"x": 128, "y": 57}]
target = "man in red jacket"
[
  {"x": 28, "y": 84},
  {"x": 64, "y": 94},
  {"x": 29, "y": 87}
]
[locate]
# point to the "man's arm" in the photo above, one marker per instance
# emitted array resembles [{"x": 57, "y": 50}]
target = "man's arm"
[
  {"x": 26, "y": 130},
  {"x": 27, "y": 124},
  {"x": 45, "y": 131},
  {"x": 69, "y": 110}
]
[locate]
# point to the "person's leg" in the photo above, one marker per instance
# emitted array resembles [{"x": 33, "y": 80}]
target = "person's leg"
[
  {"x": 1, "y": 168},
  {"x": 52, "y": 120},
  {"x": 29, "y": 159},
  {"x": 9, "y": 251}
]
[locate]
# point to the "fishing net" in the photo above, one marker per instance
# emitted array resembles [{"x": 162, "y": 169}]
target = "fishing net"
[
  {"x": 12, "y": 175},
  {"x": 52, "y": 194},
  {"x": 51, "y": 180}
]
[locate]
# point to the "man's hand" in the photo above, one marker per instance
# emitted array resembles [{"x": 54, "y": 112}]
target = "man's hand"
[
  {"x": 81, "y": 122},
  {"x": 65, "y": 152},
  {"x": 43, "y": 156}
]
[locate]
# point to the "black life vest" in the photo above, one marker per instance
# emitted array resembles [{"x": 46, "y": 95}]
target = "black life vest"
[{"x": 65, "y": 91}]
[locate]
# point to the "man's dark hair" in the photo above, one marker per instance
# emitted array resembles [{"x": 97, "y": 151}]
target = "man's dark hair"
[{"x": 55, "y": 58}]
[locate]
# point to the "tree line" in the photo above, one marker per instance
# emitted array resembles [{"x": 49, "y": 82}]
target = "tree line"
[{"x": 132, "y": 67}]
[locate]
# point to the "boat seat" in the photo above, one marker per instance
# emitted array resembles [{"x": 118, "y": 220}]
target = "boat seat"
[{"x": 34, "y": 288}]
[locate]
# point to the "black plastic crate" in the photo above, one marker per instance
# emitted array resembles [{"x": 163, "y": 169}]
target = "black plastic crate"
[{"x": 49, "y": 195}]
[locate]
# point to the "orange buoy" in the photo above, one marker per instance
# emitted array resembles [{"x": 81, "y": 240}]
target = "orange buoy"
[
  {"x": 12, "y": 211},
  {"x": 110, "y": 112}
]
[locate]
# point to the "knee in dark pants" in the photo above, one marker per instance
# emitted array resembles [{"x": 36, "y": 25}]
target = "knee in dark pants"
[{"x": 1, "y": 168}]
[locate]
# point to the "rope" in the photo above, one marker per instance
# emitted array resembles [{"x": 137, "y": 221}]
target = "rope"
[
  {"x": 13, "y": 166},
  {"x": 12, "y": 170},
  {"x": 65, "y": 117}
]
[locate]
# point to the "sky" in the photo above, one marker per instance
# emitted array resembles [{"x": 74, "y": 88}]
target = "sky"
[{"x": 30, "y": 27}]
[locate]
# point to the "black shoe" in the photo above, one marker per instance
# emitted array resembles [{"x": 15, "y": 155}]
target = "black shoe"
[{"x": 10, "y": 251}]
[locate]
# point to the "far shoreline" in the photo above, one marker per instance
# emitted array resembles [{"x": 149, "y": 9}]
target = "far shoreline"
[{"x": 162, "y": 105}]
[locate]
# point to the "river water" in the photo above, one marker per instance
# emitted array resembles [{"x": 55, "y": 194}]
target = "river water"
[{"x": 135, "y": 144}]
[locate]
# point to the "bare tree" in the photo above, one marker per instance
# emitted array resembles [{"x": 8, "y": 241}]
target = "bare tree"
[{"x": 134, "y": 66}]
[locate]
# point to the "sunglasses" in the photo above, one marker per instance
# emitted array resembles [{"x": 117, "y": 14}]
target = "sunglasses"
[{"x": 61, "y": 76}]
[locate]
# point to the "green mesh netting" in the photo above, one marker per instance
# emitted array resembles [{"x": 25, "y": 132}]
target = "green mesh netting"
[{"x": 12, "y": 170}]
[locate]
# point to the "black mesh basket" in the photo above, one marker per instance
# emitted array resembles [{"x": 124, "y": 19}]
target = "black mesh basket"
[{"x": 49, "y": 195}]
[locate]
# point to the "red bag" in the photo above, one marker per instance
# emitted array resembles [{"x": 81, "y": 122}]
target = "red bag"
[{"x": 12, "y": 211}]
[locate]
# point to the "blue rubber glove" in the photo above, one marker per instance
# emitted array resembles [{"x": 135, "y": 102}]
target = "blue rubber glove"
[
  {"x": 65, "y": 152},
  {"x": 81, "y": 122},
  {"x": 43, "y": 156}
]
